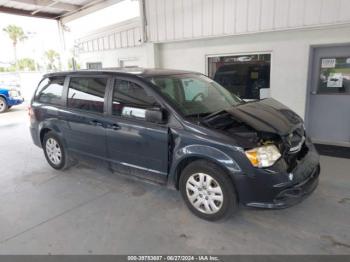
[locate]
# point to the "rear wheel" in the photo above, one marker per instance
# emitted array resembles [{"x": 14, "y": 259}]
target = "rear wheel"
[
  {"x": 3, "y": 105},
  {"x": 208, "y": 191},
  {"x": 54, "y": 151}
]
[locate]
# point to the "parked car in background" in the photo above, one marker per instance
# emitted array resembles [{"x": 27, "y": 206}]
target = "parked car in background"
[
  {"x": 180, "y": 129},
  {"x": 9, "y": 97},
  {"x": 248, "y": 81}
]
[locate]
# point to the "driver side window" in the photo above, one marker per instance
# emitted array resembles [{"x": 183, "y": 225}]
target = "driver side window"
[
  {"x": 130, "y": 100},
  {"x": 194, "y": 89}
]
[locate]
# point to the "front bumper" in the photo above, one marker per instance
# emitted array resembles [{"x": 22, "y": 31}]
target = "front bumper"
[
  {"x": 292, "y": 195},
  {"x": 278, "y": 188},
  {"x": 15, "y": 101}
]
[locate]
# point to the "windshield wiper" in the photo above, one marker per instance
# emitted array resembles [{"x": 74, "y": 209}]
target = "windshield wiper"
[
  {"x": 215, "y": 114},
  {"x": 199, "y": 115}
]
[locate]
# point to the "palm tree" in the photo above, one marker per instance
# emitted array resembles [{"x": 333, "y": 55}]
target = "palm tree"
[
  {"x": 26, "y": 64},
  {"x": 53, "y": 60},
  {"x": 16, "y": 34}
]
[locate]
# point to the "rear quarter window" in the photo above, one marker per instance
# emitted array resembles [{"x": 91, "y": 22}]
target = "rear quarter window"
[{"x": 50, "y": 91}]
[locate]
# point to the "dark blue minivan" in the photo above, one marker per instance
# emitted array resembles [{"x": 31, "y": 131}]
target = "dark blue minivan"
[{"x": 180, "y": 129}]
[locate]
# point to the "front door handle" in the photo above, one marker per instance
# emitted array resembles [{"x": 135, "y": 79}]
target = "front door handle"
[
  {"x": 95, "y": 123},
  {"x": 113, "y": 126}
]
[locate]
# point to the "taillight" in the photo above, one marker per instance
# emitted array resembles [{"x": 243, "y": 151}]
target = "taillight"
[{"x": 30, "y": 112}]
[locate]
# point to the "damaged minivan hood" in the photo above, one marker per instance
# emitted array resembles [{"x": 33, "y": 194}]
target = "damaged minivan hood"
[{"x": 268, "y": 116}]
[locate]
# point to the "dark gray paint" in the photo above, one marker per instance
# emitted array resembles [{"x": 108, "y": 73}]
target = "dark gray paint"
[{"x": 159, "y": 151}]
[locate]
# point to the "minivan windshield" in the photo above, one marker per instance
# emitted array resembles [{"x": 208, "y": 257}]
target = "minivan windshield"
[{"x": 195, "y": 94}]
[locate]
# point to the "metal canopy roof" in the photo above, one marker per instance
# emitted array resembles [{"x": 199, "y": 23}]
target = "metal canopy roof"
[{"x": 46, "y": 8}]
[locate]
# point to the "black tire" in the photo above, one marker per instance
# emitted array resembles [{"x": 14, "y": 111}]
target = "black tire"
[
  {"x": 3, "y": 105},
  {"x": 63, "y": 163},
  {"x": 229, "y": 204}
]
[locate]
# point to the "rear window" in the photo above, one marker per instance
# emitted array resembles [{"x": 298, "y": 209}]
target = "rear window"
[
  {"x": 87, "y": 93},
  {"x": 50, "y": 91}
]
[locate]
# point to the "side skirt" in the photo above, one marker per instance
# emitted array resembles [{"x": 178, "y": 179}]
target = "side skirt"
[
  {"x": 122, "y": 168},
  {"x": 141, "y": 173}
]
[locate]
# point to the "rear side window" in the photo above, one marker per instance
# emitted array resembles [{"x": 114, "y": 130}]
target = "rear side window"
[
  {"x": 130, "y": 96},
  {"x": 87, "y": 93},
  {"x": 50, "y": 91}
]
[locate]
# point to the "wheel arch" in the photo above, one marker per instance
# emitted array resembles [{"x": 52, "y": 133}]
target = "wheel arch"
[
  {"x": 46, "y": 127},
  {"x": 192, "y": 153},
  {"x": 43, "y": 132},
  {"x": 4, "y": 97}
]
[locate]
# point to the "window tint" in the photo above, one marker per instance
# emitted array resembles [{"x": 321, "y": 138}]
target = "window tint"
[
  {"x": 87, "y": 93},
  {"x": 50, "y": 91},
  {"x": 130, "y": 96}
]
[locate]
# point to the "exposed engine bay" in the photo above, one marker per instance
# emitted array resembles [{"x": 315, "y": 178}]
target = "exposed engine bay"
[{"x": 262, "y": 131}]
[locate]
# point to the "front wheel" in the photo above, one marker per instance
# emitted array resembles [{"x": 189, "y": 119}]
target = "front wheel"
[
  {"x": 208, "y": 191},
  {"x": 3, "y": 105}
]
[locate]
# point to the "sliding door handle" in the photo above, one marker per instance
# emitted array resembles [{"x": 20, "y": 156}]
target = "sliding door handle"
[{"x": 95, "y": 123}]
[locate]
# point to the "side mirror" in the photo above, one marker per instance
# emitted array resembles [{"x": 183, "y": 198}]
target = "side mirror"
[{"x": 155, "y": 115}]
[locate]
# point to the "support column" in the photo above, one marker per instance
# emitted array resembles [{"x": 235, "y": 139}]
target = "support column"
[
  {"x": 64, "y": 56},
  {"x": 152, "y": 54}
]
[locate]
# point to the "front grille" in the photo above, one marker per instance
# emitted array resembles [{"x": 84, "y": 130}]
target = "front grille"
[
  {"x": 296, "y": 140},
  {"x": 292, "y": 159},
  {"x": 295, "y": 148}
]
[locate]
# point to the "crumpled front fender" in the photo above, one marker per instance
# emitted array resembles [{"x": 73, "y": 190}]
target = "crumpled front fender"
[{"x": 203, "y": 152}]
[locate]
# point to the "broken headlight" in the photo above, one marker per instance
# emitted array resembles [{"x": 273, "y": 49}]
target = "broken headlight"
[{"x": 263, "y": 156}]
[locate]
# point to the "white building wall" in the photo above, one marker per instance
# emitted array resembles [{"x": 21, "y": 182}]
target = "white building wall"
[
  {"x": 290, "y": 57},
  {"x": 169, "y": 20},
  {"x": 115, "y": 45},
  {"x": 121, "y": 35},
  {"x": 183, "y": 33},
  {"x": 134, "y": 56}
]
